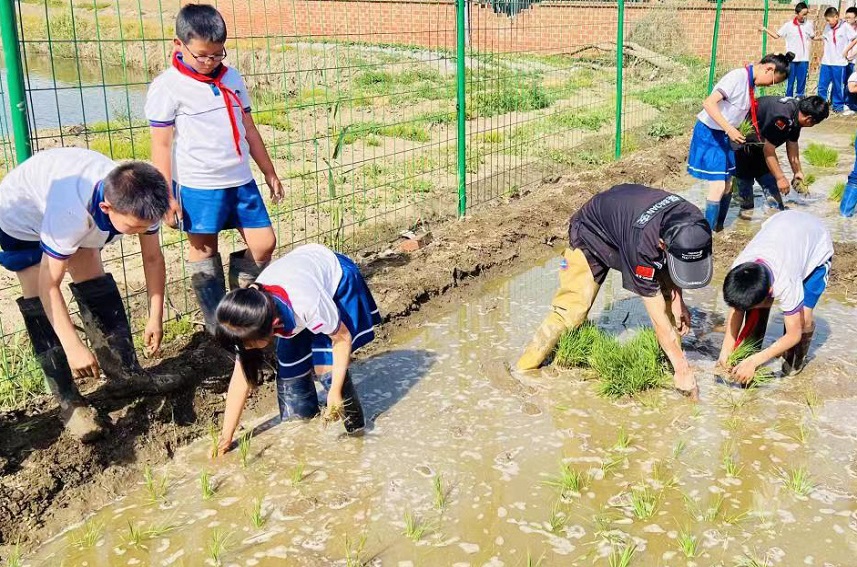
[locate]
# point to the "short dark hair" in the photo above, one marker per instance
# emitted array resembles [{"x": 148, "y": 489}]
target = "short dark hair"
[
  {"x": 245, "y": 314},
  {"x": 814, "y": 107},
  {"x": 200, "y": 21},
  {"x": 830, "y": 12},
  {"x": 746, "y": 285},
  {"x": 851, "y": 10},
  {"x": 780, "y": 61},
  {"x": 136, "y": 188},
  {"x": 800, "y": 7}
]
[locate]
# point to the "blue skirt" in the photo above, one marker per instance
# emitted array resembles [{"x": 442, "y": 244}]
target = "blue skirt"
[
  {"x": 357, "y": 311},
  {"x": 711, "y": 157}
]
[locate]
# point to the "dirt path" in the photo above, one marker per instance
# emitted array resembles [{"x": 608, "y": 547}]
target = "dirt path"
[{"x": 49, "y": 480}]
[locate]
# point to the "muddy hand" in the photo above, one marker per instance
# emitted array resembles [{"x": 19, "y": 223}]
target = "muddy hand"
[
  {"x": 153, "y": 335},
  {"x": 223, "y": 446},
  {"x": 685, "y": 383},
  {"x": 745, "y": 371},
  {"x": 83, "y": 363}
]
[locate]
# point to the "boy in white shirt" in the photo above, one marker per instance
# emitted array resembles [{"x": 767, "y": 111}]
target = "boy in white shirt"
[
  {"x": 57, "y": 210},
  {"x": 831, "y": 81},
  {"x": 202, "y": 138},
  {"x": 766, "y": 271},
  {"x": 798, "y": 34}
]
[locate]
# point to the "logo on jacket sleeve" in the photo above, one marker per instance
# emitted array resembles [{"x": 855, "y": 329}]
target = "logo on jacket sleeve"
[{"x": 645, "y": 272}]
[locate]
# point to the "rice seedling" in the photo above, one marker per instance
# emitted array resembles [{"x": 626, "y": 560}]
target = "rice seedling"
[
  {"x": 157, "y": 489},
  {"x": 837, "y": 192},
  {"x": 205, "y": 485},
  {"x": 613, "y": 462},
  {"x": 798, "y": 480},
  {"x": 735, "y": 519},
  {"x": 569, "y": 480},
  {"x": 87, "y": 535},
  {"x": 159, "y": 529},
  {"x": 663, "y": 475},
  {"x": 810, "y": 396},
  {"x": 415, "y": 529},
  {"x": 628, "y": 368},
  {"x": 752, "y": 560},
  {"x": 354, "y": 551},
  {"x": 534, "y": 562},
  {"x": 820, "y": 155},
  {"x": 713, "y": 511},
  {"x": 332, "y": 414},
  {"x": 257, "y": 518},
  {"x": 440, "y": 492},
  {"x": 688, "y": 544},
  {"x": 297, "y": 475},
  {"x": 745, "y": 350},
  {"x": 802, "y": 186},
  {"x": 244, "y": 448},
  {"x": 800, "y": 433},
  {"x": 746, "y": 128},
  {"x": 15, "y": 557},
  {"x": 733, "y": 422},
  {"x": 557, "y": 520},
  {"x": 217, "y": 546},
  {"x": 623, "y": 439},
  {"x": 622, "y": 557},
  {"x": 575, "y": 346},
  {"x": 732, "y": 468},
  {"x": 644, "y": 502},
  {"x": 678, "y": 449},
  {"x": 213, "y": 440}
]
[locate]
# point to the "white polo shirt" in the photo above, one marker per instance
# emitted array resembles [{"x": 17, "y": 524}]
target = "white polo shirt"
[
  {"x": 798, "y": 44},
  {"x": 53, "y": 197},
  {"x": 792, "y": 244},
  {"x": 734, "y": 88},
  {"x": 833, "y": 50},
  {"x": 204, "y": 155},
  {"x": 309, "y": 275}
]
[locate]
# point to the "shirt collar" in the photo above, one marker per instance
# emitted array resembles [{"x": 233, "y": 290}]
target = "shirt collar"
[
  {"x": 213, "y": 74},
  {"x": 102, "y": 221}
]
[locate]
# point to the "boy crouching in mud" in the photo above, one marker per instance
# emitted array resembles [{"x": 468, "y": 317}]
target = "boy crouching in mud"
[{"x": 318, "y": 306}]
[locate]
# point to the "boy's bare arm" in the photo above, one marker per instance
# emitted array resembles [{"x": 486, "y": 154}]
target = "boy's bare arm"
[
  {"x": 773, "y": 35},
  {"x": 154, "y": 270},
  {"x": 162, "y": 159},
  {"x": 260, "y": 155}
]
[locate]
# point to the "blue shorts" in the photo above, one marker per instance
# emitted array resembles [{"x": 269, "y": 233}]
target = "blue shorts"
[
  {"x": 711, "y": 157},
  {"x": 18, "y": 255},
  {"x": 357, "y": 310},
  {"x": 209, "y": 211},
  {"x": 815, "y": 284}
]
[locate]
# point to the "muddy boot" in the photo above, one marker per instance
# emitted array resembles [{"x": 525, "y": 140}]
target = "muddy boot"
[
  {"x": 243, "y": 270},
  {"x": 794, "y": 359},
  {"x": 78, "y": 418},
  {"x": 353, "y": 419},
  {"x": 107, "y": 328},
  {"x": 297, "y": 397},
  {"x": 543, "y": 343},
  {"x": 209, "y": 287}
]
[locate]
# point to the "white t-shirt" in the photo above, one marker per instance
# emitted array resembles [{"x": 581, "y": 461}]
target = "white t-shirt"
[
  {"x": 309, "y": 275},
  {"x": 797, "y": 44},
  {"x": 204, "y": 155},
  {"x": 792, "y": 244},
  {"x": 833, "y": 50},
  {"x": 53, "y": 197},
  {"x": 734, "y": 87}
]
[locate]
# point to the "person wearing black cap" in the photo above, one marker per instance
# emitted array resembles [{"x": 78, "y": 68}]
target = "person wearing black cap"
[
  {"x": 780, "y": 121},
  {"x": 660, "y": 242},
  {"x": 794, "y": 275}
]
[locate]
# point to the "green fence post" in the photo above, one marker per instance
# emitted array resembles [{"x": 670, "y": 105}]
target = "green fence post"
[
  {"x": 765, "y": 25},
  {"x": 460, "y": 107},
  {"x": 620, "y": 64},
  {"x": 15, "y": 80},
  {"x": 712, "y": 66}
]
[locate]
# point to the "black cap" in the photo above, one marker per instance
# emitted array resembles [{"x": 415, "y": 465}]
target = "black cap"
[{"x": 689, "y": 258}]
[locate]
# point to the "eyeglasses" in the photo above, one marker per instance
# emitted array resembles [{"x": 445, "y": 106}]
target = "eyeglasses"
[{"x": 206, "y": 58}]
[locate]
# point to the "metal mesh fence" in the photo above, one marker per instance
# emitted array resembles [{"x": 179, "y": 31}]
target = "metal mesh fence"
[{"x": 357, "y": 102}]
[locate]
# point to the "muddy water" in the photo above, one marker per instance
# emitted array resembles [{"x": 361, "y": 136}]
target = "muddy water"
[{"x": 445, "y": 406}]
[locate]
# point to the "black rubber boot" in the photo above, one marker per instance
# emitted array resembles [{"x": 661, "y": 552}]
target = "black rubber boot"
[
  {"x": 209, "y": 286},
  {"x": 353, "y": 420},
  {"x": 106, "y": 325},
  {"x": 78, "y": 418},
  {"x": 243, "y": 270},
  {"x": 794, "y": 360}
]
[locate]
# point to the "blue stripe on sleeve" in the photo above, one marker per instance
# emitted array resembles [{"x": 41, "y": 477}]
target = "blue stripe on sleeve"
[
  {"x": 53, "y": 253},
  {"x": 161, "y": 123}
]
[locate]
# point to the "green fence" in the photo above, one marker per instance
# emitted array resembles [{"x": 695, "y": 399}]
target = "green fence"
[{"x": 380, "y": 115}]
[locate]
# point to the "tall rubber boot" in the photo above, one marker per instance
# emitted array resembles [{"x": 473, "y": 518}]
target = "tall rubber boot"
[
  {"x": 794, "y": 360},
  {"x": 354, "y": 420},
  {"x": 723, "y": 211},
  {"x": 107, "y": 328},
  {"x": 78, "y": 418},
  {"x": 209, "y": 286},
  {"x": 569, "y": 308},
  {"x": 243, "y": 270},
  {"x": 712, "y": 212},
  {"x": 849, "y": 201},
  {"x": 297, "y": 397}
]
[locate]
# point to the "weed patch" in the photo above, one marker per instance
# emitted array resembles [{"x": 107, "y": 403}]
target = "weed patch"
[{"x": 509, "y": 97}]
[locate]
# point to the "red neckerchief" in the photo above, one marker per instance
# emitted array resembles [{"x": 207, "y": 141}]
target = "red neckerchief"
[
  {"x": 839, "y": 23},
  {"x": 228, "y": 94},
  {"x": 800, "y": 31},
  {"x": 754, "y": 104}
]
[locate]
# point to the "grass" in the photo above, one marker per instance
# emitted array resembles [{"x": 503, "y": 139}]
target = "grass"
[
  {"x": 87, "y": 535},
  {"x": 591, "y": 119},
  {"x": 157, "y": 489},
  {"x": 670, "y": 95},
  {"x": 688, "y": 544},
  {"x": 644, "y": 502},
  {"x": 509, "y": 97},
  {"x": 798, "y": 480},
  {"x": 244, "y": 448},
  {"x": 415, "y": 529},
  {"x": 838, "y": 192},
  {"x": 15, "y": 557},
  {"x": 217, "y": 546},
  {"x": 21, "y": 377},
  {"x": 276, "y": 118},
  {"x": 412, "y": 131},
  {"x": 257, "y": 518},
  {"x": 622, "y": 557},
  {"x": 205, "y": 485},
  {"x": 820, "y": 155},
  {"x": 569, "y": 481},
  {"x": 441, "y": 492},
  {"x": 297, "y": 475},
  {"x": 667, "y": 127}
]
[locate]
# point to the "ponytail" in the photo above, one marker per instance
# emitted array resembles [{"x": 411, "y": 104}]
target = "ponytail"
[{"x": 780, "y": 61}]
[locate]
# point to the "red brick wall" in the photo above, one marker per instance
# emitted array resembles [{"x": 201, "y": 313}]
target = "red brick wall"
[{"x": 544, "y": 28}]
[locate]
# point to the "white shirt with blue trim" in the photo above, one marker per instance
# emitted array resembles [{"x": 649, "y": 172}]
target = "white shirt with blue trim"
[
  {"x": 53, "y": 198},
  {"x": 792, "y": 244},
  {"x": 833, "y": 50},
  {"x": 310, "y": 275},
  {"x": 734, "y": 87},
  {"x": 798, "y": 44},
  {"x": 204, "y": 155}
]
